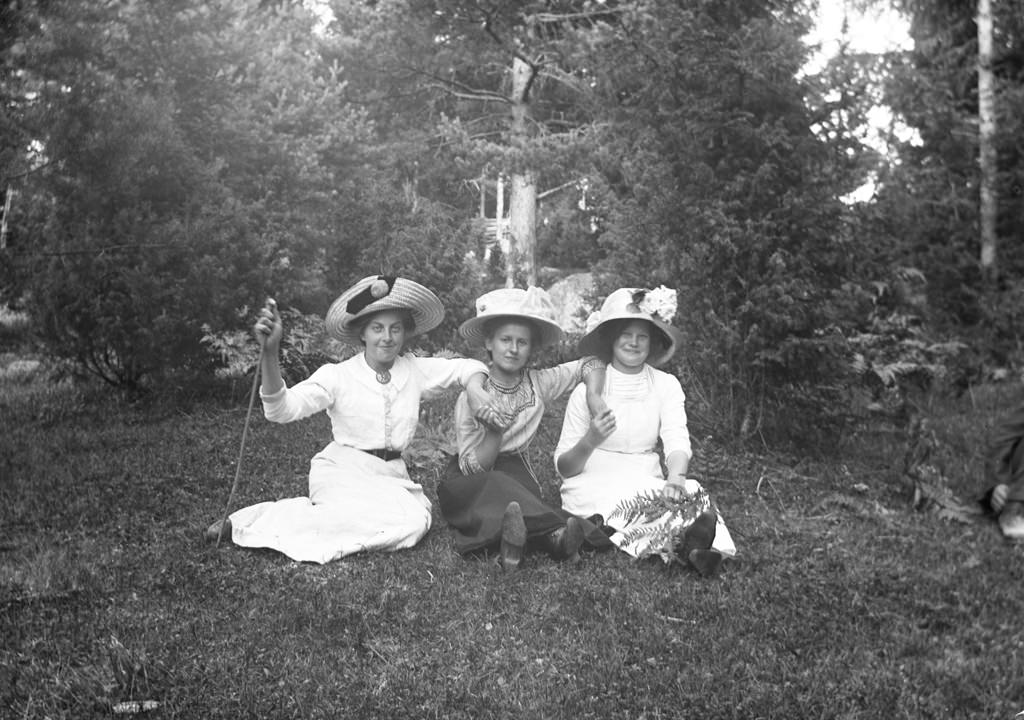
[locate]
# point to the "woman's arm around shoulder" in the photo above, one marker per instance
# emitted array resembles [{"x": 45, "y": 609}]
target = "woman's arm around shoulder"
[
  {"x": 558, "y": 380},
  {"x": 581, "y": 435}
]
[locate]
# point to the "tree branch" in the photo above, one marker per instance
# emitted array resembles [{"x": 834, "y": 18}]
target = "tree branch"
[
  {"x": 482, "y": 96},
  {"x": 96, "y": 251},
  {"x": 459, "y": 89},
  {"x": 489, "y": 29},
  {"x": 552, "y": 191},
  {"x": 587, "y": 15}
]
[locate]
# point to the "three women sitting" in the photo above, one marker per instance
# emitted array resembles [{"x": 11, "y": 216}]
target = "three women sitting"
[{"x": 360, "y": 494}]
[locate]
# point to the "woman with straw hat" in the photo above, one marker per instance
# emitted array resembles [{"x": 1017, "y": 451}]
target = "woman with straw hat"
[
  {"x": 610, "y": 465},
  {"x": 360, "y": 494},
  {"x": 490, "y": 495}
]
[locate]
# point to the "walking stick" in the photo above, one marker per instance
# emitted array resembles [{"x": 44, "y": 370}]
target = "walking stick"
[{"x": 241, "y": 449}]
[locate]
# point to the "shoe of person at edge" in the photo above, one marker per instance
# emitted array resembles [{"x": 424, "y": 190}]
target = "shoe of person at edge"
[
  {"x": 1011, "y": 520},
  {"x": 220, "y": 530},
  {"x": 513, "y": 537},
  {"x": 564, "y": 543}
]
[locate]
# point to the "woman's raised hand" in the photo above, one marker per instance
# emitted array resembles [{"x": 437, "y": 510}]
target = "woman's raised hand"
[
  {"x": 999, "y": 494},
  {"x": 268, "y": 328}
]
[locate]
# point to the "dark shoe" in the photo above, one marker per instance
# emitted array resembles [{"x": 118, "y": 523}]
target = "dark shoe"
[
  {"x": 220, "y": 530},
  {"x": 564, "y": 543},
  {"x": 698, "y": 536},
  {"x": 598, "y": 520},
  {"x": 513, "y": 537},
  {"x": 706, "y": 562}
]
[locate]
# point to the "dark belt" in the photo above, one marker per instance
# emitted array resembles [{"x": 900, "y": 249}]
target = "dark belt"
[{"x": 385, "y": 455}]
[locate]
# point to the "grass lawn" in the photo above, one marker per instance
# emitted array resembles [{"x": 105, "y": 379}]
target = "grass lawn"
[{"x": 843, "y": 602}]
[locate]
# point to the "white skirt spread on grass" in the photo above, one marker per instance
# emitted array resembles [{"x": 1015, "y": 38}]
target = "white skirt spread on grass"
[{"x": 357, "y": 502}]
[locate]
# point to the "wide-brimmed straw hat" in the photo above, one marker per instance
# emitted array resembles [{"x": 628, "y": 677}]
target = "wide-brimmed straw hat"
[
  {"x": 514, "y": 304},
  {"x": 382, "y": 292},
  {"x": 657, "y": 307}
]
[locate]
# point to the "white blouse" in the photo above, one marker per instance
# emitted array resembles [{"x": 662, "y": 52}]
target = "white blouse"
[
  {"x": 526, "y": 405},
  {"x": 364, "y": 413},
  {"x": 647, "y": 405}
]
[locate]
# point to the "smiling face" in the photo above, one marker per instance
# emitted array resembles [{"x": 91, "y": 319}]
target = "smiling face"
[
  {"x": 509, "y": 345},
  {"x": 631, "y": 346},
  {"x": 384, "y": 335}
]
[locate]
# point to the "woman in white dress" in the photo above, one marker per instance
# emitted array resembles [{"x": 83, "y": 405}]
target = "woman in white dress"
[
  {"x": 360, "y": 494},
  {"x": 610, "y": 466}
]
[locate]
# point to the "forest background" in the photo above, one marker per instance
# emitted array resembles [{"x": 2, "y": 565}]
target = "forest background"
[{"x": 168, "y": 165}]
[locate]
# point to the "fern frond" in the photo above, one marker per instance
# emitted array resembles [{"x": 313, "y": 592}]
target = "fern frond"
[
  {"x": 652, "y": 504},
  {"x": 654, "y": 524}
]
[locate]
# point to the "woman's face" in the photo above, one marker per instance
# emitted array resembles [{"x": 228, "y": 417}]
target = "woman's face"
[
  {"x": 632, "y": 346},
  {"x": 384, "y": 335},
  {"x": 510, "y": 346}
]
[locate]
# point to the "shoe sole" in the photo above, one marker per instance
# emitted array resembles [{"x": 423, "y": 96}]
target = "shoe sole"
[
  {"x": 572, "y": 540},
  {"x": 513, "y": 537}
]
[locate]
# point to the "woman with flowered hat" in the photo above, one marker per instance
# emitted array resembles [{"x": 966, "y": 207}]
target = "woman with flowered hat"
[
  {"x": 610, "y": 465},
  {"x": 490, "y": 496},
  {"x": 360, "y": 494}
]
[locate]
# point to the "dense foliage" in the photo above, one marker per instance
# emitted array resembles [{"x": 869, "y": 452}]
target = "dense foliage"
[
  {"x": 723, "y": 193},
  {"x": 926, "y": 211},
  {"x": 177, "y": 162},
  {"x": 189, "y": 156}
]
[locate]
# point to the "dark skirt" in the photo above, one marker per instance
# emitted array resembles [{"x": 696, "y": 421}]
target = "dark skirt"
[
  {"x": 473, "y": 505},
  {"x": 1005, "y": 461}
]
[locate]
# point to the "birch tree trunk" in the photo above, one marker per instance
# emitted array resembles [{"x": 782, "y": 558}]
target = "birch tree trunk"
[
  {"x": 522, "y": 209},
  {"x": 986, "y": 141}
]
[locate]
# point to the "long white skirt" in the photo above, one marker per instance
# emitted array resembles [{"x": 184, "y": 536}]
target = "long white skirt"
[
  {"x": 611, "y": 478},
  {"x": 356, "y": 502}
]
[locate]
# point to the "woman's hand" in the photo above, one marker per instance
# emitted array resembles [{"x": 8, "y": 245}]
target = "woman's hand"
[
  {"x": 999, "y": 494},
  {"x": 493, "y": 418},
  {"x": 481, "y": 406},
  {"x": 680, "y": 488},
  {"x": 601, "y": 426},
  {"x": 268, "y": 328},
  {"x": 597, "y": 406}
]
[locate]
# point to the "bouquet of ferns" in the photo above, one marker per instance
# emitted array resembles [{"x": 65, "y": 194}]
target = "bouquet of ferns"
[{"x": 652, "y": 524}]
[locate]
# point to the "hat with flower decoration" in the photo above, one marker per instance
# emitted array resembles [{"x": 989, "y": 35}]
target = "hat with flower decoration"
[
  {"x": 657, "y": 306},
  {"x": 382, "y": 292},
  {"x": 513, "y": 304}
]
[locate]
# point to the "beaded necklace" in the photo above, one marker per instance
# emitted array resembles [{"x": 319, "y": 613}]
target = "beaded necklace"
[{"x": 507, "y": 389}]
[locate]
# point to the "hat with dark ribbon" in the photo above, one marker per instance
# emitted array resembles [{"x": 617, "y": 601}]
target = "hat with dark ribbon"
[{"x": 382, "y": 292}]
